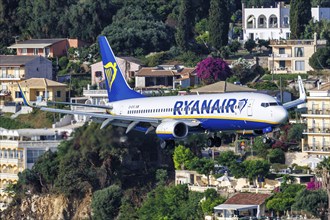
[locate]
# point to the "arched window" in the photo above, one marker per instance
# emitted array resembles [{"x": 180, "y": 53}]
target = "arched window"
[
  {"x": 251, "y": 22},
  {"x": 262, "y": 21},
  {"x": 273, "y": 21}
]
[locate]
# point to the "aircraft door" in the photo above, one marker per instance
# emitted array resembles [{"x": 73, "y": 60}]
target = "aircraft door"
[{"x": 250, "y": 107}]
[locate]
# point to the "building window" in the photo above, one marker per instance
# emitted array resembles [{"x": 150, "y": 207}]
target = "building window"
[
  {"x": 23, "y": 51},
  {"x": 35, "y": 51},
  {"x": 281, "y": 50},
  {"x": 58, "y": 94},
  {"x": 16, "y": 72},
  {"x": 98, "y": 73},
  {"x": 18, "y": 94},
  {"x": 282, "y": 64},
  {"x": 47, "y": 51},
  {"x": 300, "y": 65},
  {"x": 37, "y": 93},
  {"x": 32, "y": 155},
  {"x": 273, "y": 21},
  {"x": 262, "y": 22},
  {"x": 3, "y": 73},
  {"x": 286, "y": 22},
  {"x": 299, "y": 51}
]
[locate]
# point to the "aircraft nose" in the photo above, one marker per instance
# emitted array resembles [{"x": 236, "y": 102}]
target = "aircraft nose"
[{"x": 282, "y": 115}]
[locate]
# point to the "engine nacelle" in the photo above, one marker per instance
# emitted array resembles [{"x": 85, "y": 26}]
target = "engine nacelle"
[{"x": 169, "y": 130}]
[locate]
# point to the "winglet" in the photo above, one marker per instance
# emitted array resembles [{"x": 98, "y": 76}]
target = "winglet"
[{"x": 25, "y": 101}]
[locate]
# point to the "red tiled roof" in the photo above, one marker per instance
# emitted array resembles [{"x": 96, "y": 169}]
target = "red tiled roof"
[{"x": 247, "y": 199}]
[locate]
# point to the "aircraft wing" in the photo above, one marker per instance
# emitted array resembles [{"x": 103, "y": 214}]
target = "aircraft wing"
[
  {"x": 121, "y": 120},
  {"x": 80, "y": 104},
  {"x": 302, "y": 96}
]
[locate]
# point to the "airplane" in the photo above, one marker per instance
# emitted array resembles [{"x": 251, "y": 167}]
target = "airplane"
[{"x": 175, "y": 117}]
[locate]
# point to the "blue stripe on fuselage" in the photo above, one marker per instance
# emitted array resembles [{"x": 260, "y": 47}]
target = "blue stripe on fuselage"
[{"x": 228, "y": 124}]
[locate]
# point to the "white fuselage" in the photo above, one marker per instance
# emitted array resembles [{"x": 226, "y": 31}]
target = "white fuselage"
[{"x": 226, "y": 111}]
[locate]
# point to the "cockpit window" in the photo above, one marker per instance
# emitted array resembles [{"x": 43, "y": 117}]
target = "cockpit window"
[{"x": 267, "y": 104}]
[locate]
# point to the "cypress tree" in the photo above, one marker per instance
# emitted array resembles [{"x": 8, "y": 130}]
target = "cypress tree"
[
  {"x": 184, "y": 27},
  {"x": 300, "y": 15},
  {"x": 219, "y": 18}
]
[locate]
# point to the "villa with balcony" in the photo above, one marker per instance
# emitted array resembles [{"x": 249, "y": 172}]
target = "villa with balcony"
[
  {"x": 53, "y": 47},
  {"x": 317, "y": 140},
  {"x": 292, "y": 56},
  {"x": 14, "y": 69},
  {"x": 19, "y": 150},
  {"x": 273, "y": 23}
]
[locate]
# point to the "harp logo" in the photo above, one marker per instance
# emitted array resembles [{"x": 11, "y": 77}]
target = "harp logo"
[{"x": 110, "y": 72}]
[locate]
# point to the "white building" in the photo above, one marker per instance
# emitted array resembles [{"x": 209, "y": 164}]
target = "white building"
[
  {"x": 273, "y": 23},
  {"x": 19, "y": 150}
]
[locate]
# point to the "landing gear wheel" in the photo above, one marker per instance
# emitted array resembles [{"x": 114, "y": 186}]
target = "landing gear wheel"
[
  {"x": 167, "y": 144},
  {"x": 217, "y": 141},
  {"x": 210, "y": 142},
  {"x": 265, "y": 140}
]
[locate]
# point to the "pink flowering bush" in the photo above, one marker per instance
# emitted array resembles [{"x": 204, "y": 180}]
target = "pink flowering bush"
[{"x": 211, "y": 70}]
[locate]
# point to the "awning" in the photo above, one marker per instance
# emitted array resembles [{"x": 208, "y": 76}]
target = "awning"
[{"x": 238, "y": 207}]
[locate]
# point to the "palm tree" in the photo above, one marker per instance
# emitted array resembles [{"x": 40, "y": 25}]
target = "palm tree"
[{"x": 323, "y": 169}]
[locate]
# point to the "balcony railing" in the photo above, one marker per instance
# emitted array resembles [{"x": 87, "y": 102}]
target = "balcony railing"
[
  {"x": 317, "y": 148},
  {"x": 297, "y": 42},
  {"x": 324, "y": 129},
  {"x": 319, "y": 111},
  {"x": 98, "y": 92},
  {"x": 285, "y": 55}
]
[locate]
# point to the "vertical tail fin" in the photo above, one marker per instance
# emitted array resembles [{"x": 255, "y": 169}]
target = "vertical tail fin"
[{"x": 117, "y": 87}]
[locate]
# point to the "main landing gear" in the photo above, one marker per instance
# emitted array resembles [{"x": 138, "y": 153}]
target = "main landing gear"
[
  {"x": 167, "y": 144},
  {"x": 213, "y": 141}
]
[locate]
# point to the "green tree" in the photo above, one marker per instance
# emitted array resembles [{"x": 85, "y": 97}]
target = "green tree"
[
  {"x": 182, "y": 157},
  {"x": 310, "y": 201},
  {"x": 249, "y": 45},
  {"x": 260, "y": 148},
  {"x": 276, "y": 156},
  {"x": 212, "y": 199},
  {"x": 321, "y": 3},
  {"x": 106, "y": 202},
  {"x": 143, "y": 36},
  {"x": 296, "y": 132},
  {"x": 226, "y": 158},
  {"x": 219, "y": 18},
  {"x": 234, "y": 46},
  {"x": 320, "y": 59},
  {"x": 184, "y": 27},
  {"x": 255, "y": 168},
  {"x": 323, "y": 170},
  {"x": 258, "y": 3},
  {"x": 46, "y": 168},
  {"x": 283, "y": 200},
  {"x": 174, "y": 202},
  {"x": 203, "y": 166},
  {"x": 300, "y": 15}
]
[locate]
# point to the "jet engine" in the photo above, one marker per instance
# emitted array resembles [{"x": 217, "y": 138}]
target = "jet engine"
[{"x": 169, "y": 130}]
